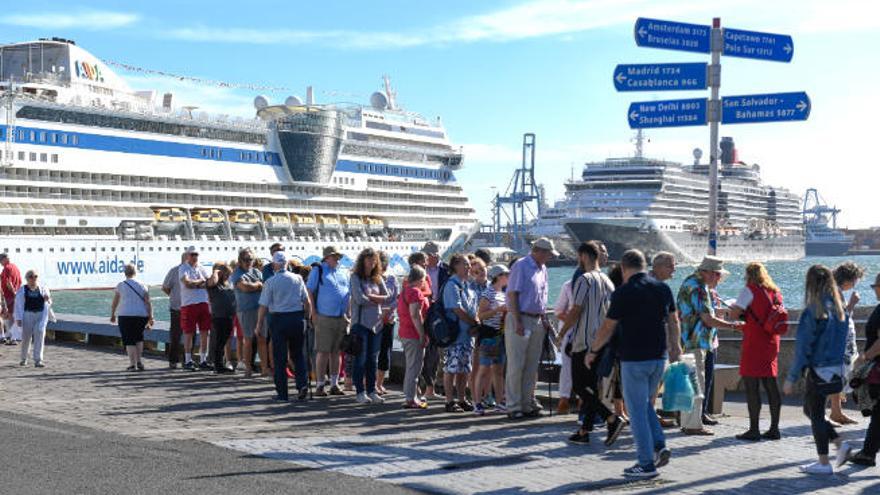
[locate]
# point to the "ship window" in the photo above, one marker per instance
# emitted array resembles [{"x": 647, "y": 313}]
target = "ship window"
[
  {"x": 94, "y": 249},
  {"x": 64, "y": 139},
  {"x": 21, "y": 155},
  {"x": 54, "y": 158},
  {"x": 205, "y": 152},
  {"x": 33, "y": 137},
  {"x": 28, "y": 250},
  {"x": 42, "y": 137},
  {"x": 74, "y": 140},
  {"x": 33, "y": 157},
  {"x": 44, "y": 157},
  {"x": 54, "y": 138}
]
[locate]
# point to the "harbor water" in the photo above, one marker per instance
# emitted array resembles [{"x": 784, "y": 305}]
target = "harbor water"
[{"x": 789, "y": 275}]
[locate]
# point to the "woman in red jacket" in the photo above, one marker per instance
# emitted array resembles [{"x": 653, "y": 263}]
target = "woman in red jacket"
[{"x": 760, "y": 348}]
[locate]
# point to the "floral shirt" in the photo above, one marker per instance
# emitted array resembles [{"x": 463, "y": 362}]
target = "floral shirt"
[{"x": 695, "y": 299}]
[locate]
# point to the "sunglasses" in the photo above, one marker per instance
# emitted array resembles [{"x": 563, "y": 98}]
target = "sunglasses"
[{"x": 31, "y": 276}]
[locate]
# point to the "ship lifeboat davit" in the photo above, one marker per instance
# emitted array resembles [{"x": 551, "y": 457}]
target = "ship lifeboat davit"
[
  {"x": 209, "y": 219},
  {"x": 244, "y": 219},
  {"x": 169, "y": 219},
  {"x": 276, "y": 221}
]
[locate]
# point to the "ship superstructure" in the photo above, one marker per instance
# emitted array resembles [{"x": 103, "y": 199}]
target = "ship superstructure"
[
  {"x": 96, "y": 174},
  {"x": 657, "y": 205}
]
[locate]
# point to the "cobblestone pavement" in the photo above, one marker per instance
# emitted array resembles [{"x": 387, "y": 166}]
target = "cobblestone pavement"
[{"x": 431, "y": 450}]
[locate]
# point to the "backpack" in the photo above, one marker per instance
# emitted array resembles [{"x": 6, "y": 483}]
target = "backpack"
[
  {"x": 320, "y": 268},
  {"x": 776, "y": 322},
  {"x": 442, "y": 330}
]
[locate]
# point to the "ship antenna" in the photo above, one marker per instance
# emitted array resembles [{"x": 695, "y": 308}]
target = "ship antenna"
[
  {"x": 390, "y": 94},
  {"x": 639, "y": 141}
]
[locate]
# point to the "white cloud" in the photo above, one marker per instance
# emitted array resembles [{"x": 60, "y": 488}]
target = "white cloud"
[{"x": 88, "y": 20}]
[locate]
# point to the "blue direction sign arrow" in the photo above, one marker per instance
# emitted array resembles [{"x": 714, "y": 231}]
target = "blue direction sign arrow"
[
  {"x": 670, "y": 113},
  {"x": 765, "y": 108},
  {"x": 672, "y": 35},
  {"x": 660, "y": 77},
  {"x": 752, "y": 44}
]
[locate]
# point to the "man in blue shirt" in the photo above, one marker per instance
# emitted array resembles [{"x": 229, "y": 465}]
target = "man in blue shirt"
[
  {"x": 329, "y": 287},
  {"x": 641, "y": 312},
  {"x": 248, "y": 283},
  {"x": 268, "y": 270}
]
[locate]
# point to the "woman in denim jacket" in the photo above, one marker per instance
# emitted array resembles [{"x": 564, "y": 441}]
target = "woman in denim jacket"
[{"x": 821, "y": 348}]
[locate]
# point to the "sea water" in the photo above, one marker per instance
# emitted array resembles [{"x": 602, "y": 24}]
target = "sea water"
[{"x": 788, "y": 275}]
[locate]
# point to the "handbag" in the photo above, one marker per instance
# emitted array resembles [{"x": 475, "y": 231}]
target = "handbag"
[
  {"x": 548, "y": 350},
  {"x": 826, "y": 387},
  {"x": 351, "y": 344}
]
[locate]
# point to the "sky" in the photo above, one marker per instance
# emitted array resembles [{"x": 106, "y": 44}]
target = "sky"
[{"x": 494, "y": 70}]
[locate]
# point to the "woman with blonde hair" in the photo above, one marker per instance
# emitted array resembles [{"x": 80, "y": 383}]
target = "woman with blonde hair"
[
  {"x": 759, "y": 356},
  {"x": 819, "y": 355}
]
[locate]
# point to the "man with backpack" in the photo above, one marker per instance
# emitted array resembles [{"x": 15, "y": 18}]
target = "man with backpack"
[
  {"x": 526, "y": 327},
  {"x": 438, "y": 274},
  {"x": 329, "y": 288}
]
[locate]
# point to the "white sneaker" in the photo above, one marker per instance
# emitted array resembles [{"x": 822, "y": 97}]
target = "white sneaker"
[
  {"x": 817, "y": 468},
  {"x": 843, "y": 453},
  {"x": 376, "y": 398},
  {"x": 363, "y": 399}
]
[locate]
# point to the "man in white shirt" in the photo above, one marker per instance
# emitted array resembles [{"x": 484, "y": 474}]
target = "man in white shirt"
[{"x": 195, "y": 312}]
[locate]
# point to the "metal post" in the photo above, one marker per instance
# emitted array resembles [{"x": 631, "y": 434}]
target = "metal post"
[{"x": 717, "y": 44}]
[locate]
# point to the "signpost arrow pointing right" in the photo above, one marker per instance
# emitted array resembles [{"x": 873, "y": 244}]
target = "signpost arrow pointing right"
[{"x": 802, "y": 105}]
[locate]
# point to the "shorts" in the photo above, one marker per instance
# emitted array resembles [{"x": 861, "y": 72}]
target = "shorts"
[
  {"x": 458, "y": 358},
  {"x": 132, "y": 329},
  {"x": 492, "y": 351},
  {"x": 248, "y": 322},
  {"x": 329, "y": 332},
  {"x": 195, "y": 315}
]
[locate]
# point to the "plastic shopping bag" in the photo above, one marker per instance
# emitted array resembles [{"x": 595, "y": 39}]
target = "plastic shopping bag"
[
  {"x": 15, "y": 331},
  {"x": 678, "y": 391}
]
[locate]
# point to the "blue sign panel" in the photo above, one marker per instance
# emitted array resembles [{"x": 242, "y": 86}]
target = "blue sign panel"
[
  {"x": 763, "y": 46},
  {"x": 765, "y": 108},
  {"x": 660, "y": 77},
  {"x": 672, "y": 35},
  {"x": 670, "y": 113}
]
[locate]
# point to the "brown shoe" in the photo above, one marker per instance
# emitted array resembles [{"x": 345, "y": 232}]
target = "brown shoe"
[
  {"x": 666, "y": 422},
  {"x": 320, "y": 392},
  {"x": 334, "y": 390},
  {"x": 697, "y": 431},
  {"x": 564, "y": 406}
]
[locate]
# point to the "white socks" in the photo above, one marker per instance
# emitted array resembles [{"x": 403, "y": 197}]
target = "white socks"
[
  {"x": 334, "y": 380},
  {"x": 188, "y": 357}
]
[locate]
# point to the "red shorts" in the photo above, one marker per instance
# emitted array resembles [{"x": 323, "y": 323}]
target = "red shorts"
[{"x": 195, "y": 315}]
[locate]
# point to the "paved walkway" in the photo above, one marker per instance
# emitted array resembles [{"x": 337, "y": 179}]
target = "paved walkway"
[{"x": 430, "y": 451}]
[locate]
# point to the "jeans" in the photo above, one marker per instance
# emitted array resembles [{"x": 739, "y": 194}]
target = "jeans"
[
  {"x": 288, "y": 329},
  {"x": 387, "y": 341},
  {"x": 366, "y": 362},
  {"x": 585, "y": 384},
  {"x": 175, "y": 346},
  {"x": 872, "y": 436},
  {"x": 814, "y": 408},
  {"x": 709, "y": 363},
  {"x": 640, "y": 380},
  {"x": 222, "y": 329}
]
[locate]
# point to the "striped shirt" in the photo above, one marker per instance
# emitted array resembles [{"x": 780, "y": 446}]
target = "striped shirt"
[
  {"x": 496, "y": 298},
  {"x": 592, "y": 293}
]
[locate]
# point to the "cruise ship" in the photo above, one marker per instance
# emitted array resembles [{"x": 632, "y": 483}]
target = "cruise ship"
[
  {"x": 551, "y": 224},
  {"x": 656, "y": 205},
  {"x": 823, "y": 239},
  {"x": 96, "y": 175}
]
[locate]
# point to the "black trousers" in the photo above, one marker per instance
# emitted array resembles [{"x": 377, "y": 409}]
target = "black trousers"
[
  {"x": 872, "y": 436},
  {"x": 814, "y": 408},
  {"x": 432, "y": 361},
  {"x": 710, "y": 380},
  {"x": 175, "y": 345},
  {"x": 585, "y": 384},
  {"x": 387, "y": 336},
  {"x": 221, "y": 329},
  {"x": 753, "y": 399}
]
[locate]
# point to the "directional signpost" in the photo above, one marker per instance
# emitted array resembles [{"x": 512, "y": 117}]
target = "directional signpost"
[
  {"x": 670, "y": 113},
  {"x": 661, "y": 77},
  {"x": 714, "y": 40},
  {"x": 763, "y": 46},
  {"x": 777, "y": 107}
]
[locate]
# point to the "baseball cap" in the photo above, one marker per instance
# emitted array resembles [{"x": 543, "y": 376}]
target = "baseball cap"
[
  {"x": 331, "y": 251},
  {"x": 545, "y": 244},
  {"x": 279, "y": 257},
  {"x": 496, "y": 271}
]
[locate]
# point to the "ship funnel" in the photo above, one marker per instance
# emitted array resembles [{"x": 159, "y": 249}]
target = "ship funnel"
[
  {"x": 728, "y": 151},
  {"x": 310, "y": 96}
]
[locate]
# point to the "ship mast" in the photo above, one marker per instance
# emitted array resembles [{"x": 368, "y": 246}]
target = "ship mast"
[
  {"x": 639, "y": 141},
  {"x": 389, "y": 93}
]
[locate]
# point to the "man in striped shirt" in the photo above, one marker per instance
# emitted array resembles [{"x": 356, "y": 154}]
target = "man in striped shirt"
[{"x": 591, "y": 295}]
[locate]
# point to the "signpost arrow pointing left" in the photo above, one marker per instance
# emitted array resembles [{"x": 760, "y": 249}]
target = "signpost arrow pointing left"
[
  {"x": 634, "y": 115},
  {"x": 620, "y": 77},
  {"x": 643, "y": 32}
]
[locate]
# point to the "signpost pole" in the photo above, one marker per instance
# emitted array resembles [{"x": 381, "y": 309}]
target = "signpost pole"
[{"x": 717, "y": 44}]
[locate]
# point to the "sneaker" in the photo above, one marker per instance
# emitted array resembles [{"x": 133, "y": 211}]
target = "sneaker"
[
  {"x": 39, "y": 364},
  {"x": 771, "y": 434},
  {"x": 190, "y": 366},
  {"x": 23, "y": 362},
  {"x": 640, "y": 472},
  {"x": 140, "y": 366},
  {"x": 749, "y": 436},
  {"x": 534, "y": 413},
  {"x": 479, "y": 410},
  {"x": 661, "y": 457},
  {"x": 580, "y": 437},
  {"x": 843, "y": 453},
  {"x": 303, "y": 393},
  {"x": 204, "y": 365},
  {"x": 131, "y": 368},
  {"x": 320, "y": 392},
  {"x": 334, "y": 390},
  {"x": 173, "y": 366},
  {"x": 362, "y": 398},
  {"x": 709, "y": 420},
  {"x": 223, "y": 370},
  {"x": 452, "y": 407},
  {"x": 278, "y": 398},
  {"x": 411, "y": 404},
  {"x": 376, "y": 398},
  {"x": 816, "y": 468},
  {"x": 500, "y": 407},
  {"x": 862, "y": 459},
  {"x": 466, "y": 405},
  {"x": 614, "y": 430}
]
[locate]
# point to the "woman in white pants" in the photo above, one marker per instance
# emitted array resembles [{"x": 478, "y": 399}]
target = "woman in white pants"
[
  {"x": 31, "y": 313},
  {"x": 563, "y": 305}
]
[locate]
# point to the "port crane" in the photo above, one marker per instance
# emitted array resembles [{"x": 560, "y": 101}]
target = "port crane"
[{"x": 516, "y": 205}]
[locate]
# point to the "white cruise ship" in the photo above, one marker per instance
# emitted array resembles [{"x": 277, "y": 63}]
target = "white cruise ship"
[
  {"x": 656, "y": 205},
  {"x": 95, "y": 175}
]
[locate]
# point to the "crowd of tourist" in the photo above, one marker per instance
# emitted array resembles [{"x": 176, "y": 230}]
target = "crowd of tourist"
[{"x": 618, "y": 329}]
